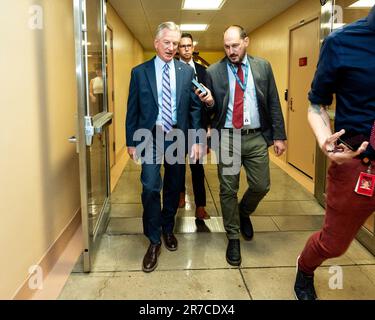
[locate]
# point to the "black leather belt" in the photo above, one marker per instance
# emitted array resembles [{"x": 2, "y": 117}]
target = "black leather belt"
[{"x": 246, "y": 131}]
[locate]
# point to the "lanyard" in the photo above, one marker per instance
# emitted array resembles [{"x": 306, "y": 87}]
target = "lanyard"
[{"x": 242, "y": 85}]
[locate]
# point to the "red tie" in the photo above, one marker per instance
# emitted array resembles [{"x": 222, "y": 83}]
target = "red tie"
[{"x": 237, "y": 116}]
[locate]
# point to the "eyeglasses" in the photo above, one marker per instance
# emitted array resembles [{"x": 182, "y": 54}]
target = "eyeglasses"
[{"x": 186, "y": 46}]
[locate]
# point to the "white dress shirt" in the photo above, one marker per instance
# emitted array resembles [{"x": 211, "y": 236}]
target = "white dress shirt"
[{"x": 251, "y": 112}]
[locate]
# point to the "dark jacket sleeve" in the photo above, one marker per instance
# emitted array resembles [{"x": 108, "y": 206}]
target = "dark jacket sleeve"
[
  {"x": 274, "y": 107},
  {"x": 133, "y": 111},
  {"x": 325, "y": 78},
  {"x": 209, "y": 84},
  {"x": 196, "y": 107}
]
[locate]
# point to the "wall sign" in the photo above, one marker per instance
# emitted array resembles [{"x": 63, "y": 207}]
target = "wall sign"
[{"x": 302, "y": 61}]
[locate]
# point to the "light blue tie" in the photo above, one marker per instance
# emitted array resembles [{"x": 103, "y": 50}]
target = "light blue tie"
[{"x": 166, "y": 100}]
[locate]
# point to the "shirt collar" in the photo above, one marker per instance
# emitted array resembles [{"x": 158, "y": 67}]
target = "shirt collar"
[
  {"x": 160, "y": 63},
  {"x": 243, "y": 62},
  {"x": 371, "y": 18},
  {"x": 191, "y": 62}
]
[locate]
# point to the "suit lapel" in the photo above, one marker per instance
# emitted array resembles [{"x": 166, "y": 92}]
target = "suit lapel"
[
  {"x": 178, "y": 71},
  {"x": 151, "y": 76},
  {"x": 256, "y": 76}
]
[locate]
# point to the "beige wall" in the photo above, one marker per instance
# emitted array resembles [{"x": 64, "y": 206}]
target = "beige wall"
[
  {"x": 212, "y": 56},
  {"x": 147, "y": 55},
  {"x": 39, "y": 177},
  {"x": 127, "y": 53},
  {"x": 271, "y": 41}
]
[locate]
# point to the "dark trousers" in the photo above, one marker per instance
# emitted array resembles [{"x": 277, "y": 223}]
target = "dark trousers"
[
  {"x": 346, "y": 212},
  {"x": 197, "y": 175},
  {"x": 157, "y": 218}
]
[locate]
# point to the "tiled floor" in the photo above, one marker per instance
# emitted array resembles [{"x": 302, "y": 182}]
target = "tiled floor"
[{"x": 198, "y": 269}]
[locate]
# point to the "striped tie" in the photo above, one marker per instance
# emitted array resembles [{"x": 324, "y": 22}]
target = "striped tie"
[{"x": 166, "y": 100}]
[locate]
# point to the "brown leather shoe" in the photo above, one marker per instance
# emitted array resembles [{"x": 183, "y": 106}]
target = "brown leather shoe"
[
  {"x": 150, "y": 260},
  {"x": 201, "y": 213},
  {"x": 170, "y": 241},
  {"x": 181, "y": 202}
]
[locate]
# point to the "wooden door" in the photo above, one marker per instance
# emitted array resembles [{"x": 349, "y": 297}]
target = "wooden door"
[{"x": 304, "y": 52}]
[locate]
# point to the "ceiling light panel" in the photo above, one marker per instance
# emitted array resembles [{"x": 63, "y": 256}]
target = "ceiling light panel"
[
  {"x": 193, "y": 27},
  {"x": 363, "y": 4},
  {"x": 202, "y": 4}
]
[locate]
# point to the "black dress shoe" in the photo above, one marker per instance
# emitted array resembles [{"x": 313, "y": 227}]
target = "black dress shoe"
[
  {"x": 150, "y": 260},
  {"x": 246, "y": 227},
  {"x": 304, "y": 287},
  {"x": 170, "y": 241},
  {"x": 234, "y": 252}
]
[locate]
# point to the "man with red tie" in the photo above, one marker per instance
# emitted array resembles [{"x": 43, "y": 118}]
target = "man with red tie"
[{"x": 246, "y": 99}]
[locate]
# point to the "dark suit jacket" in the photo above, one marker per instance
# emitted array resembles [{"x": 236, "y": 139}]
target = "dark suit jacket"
[
  {"x": 202, "y": 75},
  {"x": 271, "y": 117},
  {"x": 143, "y": 107}
]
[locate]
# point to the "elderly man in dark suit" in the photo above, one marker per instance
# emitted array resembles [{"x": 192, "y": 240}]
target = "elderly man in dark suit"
[
  {"x": 246, "y": 99},
  {"x": 161, "y": 102},
  {"x": 186, "y": 49}
]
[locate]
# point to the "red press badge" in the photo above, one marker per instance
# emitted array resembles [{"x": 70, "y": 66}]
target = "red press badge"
[{"x": 365, "y": 184}]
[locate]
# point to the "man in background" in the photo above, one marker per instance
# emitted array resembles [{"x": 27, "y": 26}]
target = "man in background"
[{"x": 186, "y": 49}]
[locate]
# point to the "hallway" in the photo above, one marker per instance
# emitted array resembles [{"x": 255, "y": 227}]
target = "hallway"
[{"x": 198, "y": 269}]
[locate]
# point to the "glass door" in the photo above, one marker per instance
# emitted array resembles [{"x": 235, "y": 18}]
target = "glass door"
[{"x": 93, "y": 121}]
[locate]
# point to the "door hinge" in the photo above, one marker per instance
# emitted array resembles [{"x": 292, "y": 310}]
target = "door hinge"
[{"x": 114, "y": 146}]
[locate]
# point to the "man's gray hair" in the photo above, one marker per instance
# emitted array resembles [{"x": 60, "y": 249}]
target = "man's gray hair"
[{"x": 170, "y": 25}]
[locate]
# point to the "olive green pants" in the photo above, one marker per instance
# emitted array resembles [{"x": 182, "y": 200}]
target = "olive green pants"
[{"x": 252, "y": 154}]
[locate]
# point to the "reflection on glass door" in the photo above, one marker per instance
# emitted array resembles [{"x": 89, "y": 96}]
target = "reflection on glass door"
[
  {"x": 96, "y": 160},
  {"x": 93, "y": 120}
]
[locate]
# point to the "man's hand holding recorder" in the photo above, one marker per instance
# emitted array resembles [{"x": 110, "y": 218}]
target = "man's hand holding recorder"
[{"x": 203, "y": 93}]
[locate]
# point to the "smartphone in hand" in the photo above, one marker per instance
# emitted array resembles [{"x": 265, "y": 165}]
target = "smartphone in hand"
[{"x": 198, "y": 86}]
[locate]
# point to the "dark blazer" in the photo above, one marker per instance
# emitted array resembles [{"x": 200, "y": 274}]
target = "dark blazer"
[
  {"x": 202, "y": 75},
  {"x": 271, "y": 117},
  {"x": 143, "y": 107},
  {"x": 201, "y": 72}
]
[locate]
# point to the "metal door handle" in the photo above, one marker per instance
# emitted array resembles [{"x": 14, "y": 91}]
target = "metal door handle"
[{"x": 72, "y": 139}]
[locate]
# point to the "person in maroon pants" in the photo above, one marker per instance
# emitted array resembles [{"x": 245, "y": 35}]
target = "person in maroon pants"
[{"x": 346, "y": 67}]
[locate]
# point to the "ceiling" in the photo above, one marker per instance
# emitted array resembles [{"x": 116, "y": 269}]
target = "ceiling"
[{"x": 143, "y": 16}]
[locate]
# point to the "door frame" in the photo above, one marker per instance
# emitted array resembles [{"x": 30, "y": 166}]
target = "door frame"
[
  {"x": 111, "y": 95},
  {"x": 87, "y": 127},
  {"x": 292, "y": 28}
]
